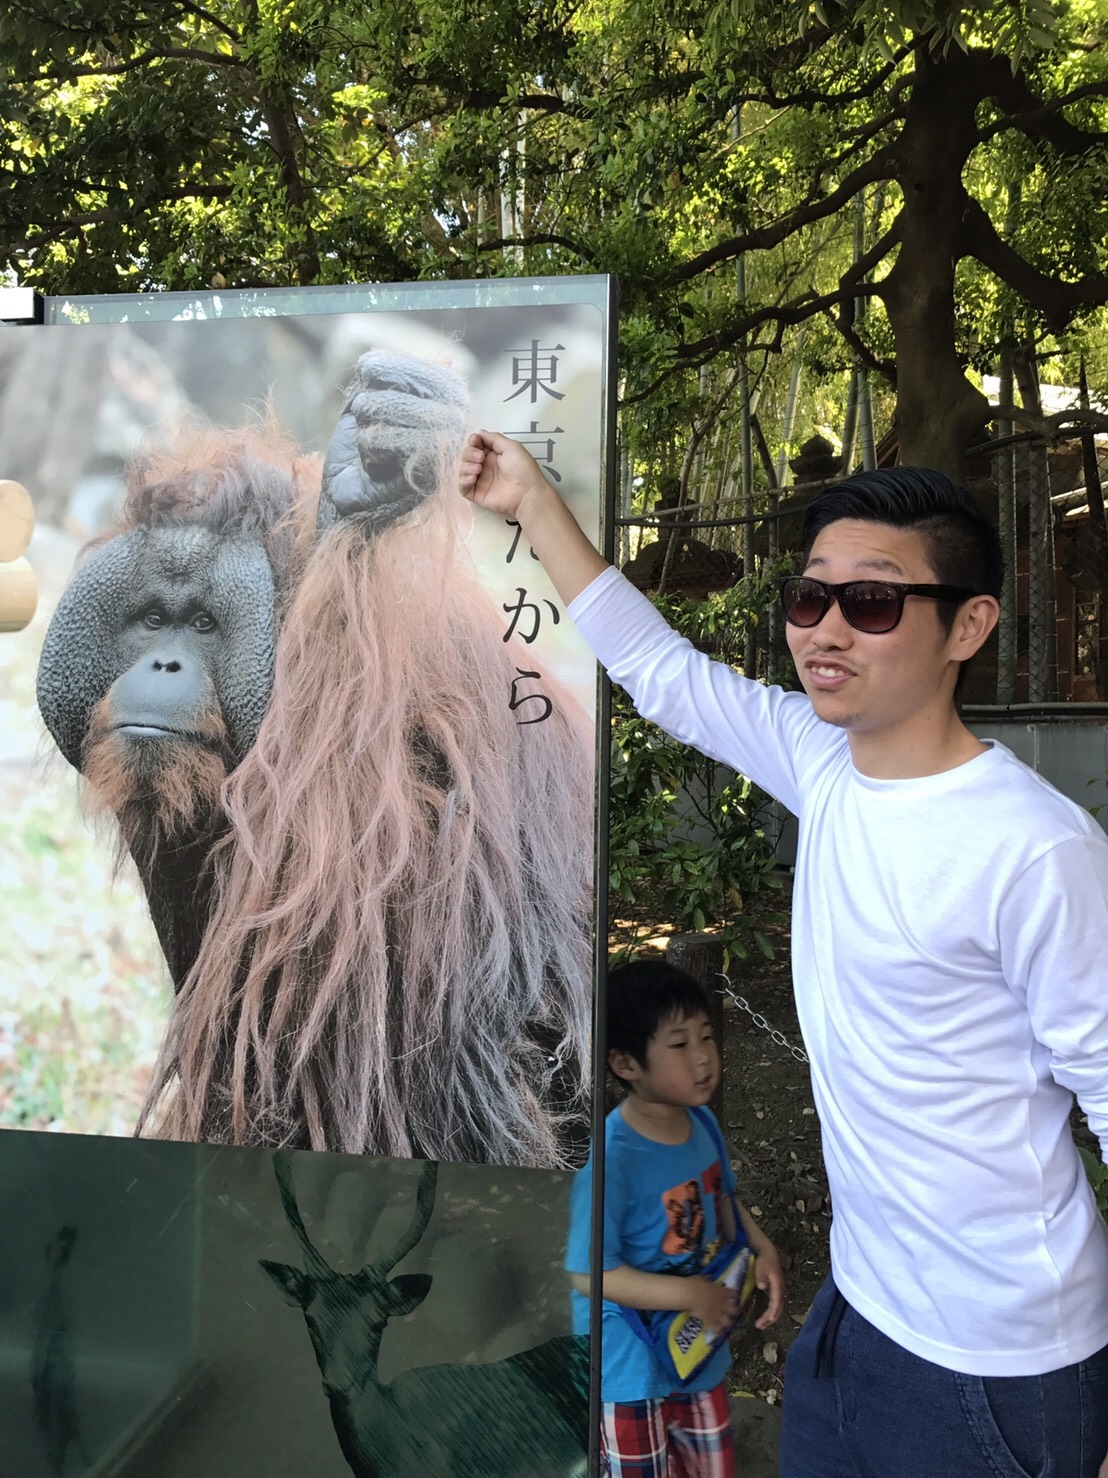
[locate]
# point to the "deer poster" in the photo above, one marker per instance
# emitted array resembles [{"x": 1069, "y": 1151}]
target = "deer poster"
[{"x": 178, "y": 1309}]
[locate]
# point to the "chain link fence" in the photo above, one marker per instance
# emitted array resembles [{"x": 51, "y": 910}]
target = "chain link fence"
[{"x": 1045, "y": 489}]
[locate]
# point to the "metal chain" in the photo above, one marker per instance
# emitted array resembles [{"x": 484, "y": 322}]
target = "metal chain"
[{"x": 760, "y": 1021}]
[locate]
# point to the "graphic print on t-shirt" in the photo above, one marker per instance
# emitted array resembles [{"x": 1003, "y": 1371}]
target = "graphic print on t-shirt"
[
  {"x": 685, "y": 1217},
  {"x": 713, "y": 1185}
]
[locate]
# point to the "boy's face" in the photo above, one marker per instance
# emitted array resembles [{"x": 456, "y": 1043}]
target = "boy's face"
[
  {"x": 681, "y": 1067},
  {"x": 877, "y": 685}
]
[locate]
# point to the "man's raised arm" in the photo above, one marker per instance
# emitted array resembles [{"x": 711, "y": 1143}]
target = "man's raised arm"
[
  {"x": 502, "y": 476},
  {"x": 754, "y": 729}
]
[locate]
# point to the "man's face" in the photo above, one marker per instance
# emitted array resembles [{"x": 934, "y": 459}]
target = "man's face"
[{"x": 889, "y": 685}]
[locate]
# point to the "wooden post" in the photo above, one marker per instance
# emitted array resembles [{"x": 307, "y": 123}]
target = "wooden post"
[{"x": 701, "y": 956}]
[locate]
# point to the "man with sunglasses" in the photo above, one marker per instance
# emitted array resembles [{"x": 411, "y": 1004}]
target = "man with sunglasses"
[{"x": 950, "y": 961}]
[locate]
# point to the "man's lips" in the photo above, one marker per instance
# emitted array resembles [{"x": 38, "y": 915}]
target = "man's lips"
[{"x": 826, "y": 674}]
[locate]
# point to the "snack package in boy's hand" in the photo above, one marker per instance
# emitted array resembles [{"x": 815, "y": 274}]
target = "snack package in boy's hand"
[{"x": 688, "y": 1343}]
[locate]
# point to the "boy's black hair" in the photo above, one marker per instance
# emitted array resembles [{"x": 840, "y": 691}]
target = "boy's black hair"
[
  {"x": 963, "y": 545},
  {"x": 643, "y": 995}
]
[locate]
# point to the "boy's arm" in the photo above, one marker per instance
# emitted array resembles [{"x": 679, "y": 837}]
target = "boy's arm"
[
  {"x": 713, "y": 1304},
  {"x": 768, "y": 1273},
  {"x": 760, "y": 1244}
]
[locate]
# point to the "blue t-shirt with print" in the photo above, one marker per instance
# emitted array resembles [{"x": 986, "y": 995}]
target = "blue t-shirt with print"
[{"x": 661, "y": 1214}]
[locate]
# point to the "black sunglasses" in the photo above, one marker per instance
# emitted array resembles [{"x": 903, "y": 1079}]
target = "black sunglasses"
[{"x": 873, "y": 606}]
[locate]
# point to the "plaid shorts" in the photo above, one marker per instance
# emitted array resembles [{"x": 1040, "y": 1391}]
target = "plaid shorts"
[{"x": 683, "y": 1436}]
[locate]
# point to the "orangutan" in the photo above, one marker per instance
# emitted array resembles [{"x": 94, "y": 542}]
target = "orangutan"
[{"x": 370, "y": 880}]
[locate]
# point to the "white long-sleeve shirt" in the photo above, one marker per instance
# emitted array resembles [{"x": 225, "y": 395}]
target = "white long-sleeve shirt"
[{"x": 950, "y": 962}]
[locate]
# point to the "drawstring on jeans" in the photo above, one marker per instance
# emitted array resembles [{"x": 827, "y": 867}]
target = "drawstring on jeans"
[{"x": 829, "y": 1334}]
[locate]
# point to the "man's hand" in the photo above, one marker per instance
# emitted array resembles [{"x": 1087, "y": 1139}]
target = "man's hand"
[
  {"x": 770, "y": 1278},
  {"x": 499, "y": 474},
  {"x": 502, "y": 476},
  {"x": 714, "y": 1304}
]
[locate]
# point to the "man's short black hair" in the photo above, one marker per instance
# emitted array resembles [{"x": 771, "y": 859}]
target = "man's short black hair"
[
  {"x": 642, "y": 996},
  {"x": 963, "y": 546}
]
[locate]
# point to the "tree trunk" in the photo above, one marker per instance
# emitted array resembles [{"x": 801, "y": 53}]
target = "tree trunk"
[
  {"x": 939, "y": 413},
  {"x": 281, "y": 141},
  {"x": 1098, "y": 538}
]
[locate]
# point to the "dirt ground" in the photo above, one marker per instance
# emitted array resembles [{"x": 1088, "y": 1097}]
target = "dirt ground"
[{"x": 773, "y": 1132}]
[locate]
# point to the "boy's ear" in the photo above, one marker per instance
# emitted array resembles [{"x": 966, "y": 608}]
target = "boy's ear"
[{"x": 622, "y": 1065}]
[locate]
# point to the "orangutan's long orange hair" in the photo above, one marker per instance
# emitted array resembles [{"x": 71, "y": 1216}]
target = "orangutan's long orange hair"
[{"x": 399, "y": 956}]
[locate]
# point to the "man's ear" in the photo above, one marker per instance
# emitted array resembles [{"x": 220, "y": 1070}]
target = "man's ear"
[{"x": 973, "y": 625}]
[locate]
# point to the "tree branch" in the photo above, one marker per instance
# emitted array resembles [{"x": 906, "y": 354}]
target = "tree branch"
[
  {"x": 282, "y": 142},
  {"x": 492, "y": 100},
  {"x": 842, "y": 316},
  {"x": 808, "y": 305},
  {"x": 886, "y": 368},
  {"x": 1039, "y": 120},
  {"x": 539, "y": 239},
  {"x": 212, "y": 19},
  {"x": 876, "y": 254},
  {"x": 801, "y": 309},
  {"x": 66, "y": 225},
  {"x": 862, "y": 134},
  {"x": 1057, "y": 301},
  {"x": 671, "y": 85},
  {"x": 880, "y": 167},
  {"x": 155, "y": 53},
  {"x": 809, "y": 98}
]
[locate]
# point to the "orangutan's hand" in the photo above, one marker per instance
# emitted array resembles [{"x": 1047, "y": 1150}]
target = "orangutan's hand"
[{"x": 400, "y": 428}]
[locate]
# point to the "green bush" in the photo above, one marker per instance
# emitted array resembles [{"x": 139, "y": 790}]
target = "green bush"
[
  {"x": 1098, "y": 1177},
  {"x": 683, "y": 839}
]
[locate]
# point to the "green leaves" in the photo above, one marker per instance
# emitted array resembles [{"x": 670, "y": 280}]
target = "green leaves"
[
  {"x": 171, "y": 143},
  {"x": 280, "y": 141},
  {"x": 1098, "y": 1177},
  {"x": 688, "y": 841},
  {"x": 1016, "y": 29}
]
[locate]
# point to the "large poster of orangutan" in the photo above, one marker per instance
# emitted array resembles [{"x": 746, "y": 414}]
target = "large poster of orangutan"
[{"x": 298, "y": 758}]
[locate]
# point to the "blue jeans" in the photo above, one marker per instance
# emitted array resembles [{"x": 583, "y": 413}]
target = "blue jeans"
[{"x": 857, "y": 1405}]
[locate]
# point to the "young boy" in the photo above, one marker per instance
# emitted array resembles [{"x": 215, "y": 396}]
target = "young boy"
[
  {"x": 950, "y": 940},
  {"x": 667, "y": 1209}
]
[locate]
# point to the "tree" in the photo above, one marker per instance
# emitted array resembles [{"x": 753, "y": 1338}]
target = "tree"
[
  {"x": 966, "y": 104},
  {"x": 181, "y": 145},
  {"x": 254, "y": 142},
  {"x": 901, "y": 185}
]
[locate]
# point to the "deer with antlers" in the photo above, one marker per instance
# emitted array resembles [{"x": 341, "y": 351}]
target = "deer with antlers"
[{"x": 522, "y": 1417}]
